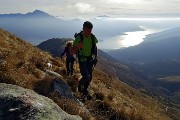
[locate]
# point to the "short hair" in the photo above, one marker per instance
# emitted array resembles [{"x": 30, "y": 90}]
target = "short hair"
[{"x": 88, "y": 24}]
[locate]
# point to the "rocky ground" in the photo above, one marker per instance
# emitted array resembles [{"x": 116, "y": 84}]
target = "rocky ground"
[{"x": 18, "y": 103}]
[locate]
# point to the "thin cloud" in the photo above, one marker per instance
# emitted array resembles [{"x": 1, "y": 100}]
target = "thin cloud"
[
  {"x": 124, "y": 1},
  {"x": 84, "y": 8}
]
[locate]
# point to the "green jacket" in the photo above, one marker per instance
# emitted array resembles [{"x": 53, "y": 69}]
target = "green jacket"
[{"x": 85, "y": 51}]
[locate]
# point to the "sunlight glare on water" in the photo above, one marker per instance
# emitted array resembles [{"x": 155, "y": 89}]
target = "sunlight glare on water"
[
  {"x": 128, "y": 39},
  {"x": 133, "y": 38}
]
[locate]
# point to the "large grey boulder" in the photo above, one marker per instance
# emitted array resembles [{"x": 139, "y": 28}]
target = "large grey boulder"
[{"x": 17, "y": 103}]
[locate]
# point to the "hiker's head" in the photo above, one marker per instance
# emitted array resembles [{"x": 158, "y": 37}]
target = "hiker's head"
[
  {"x": 87, "y": 28},
  {"x": 69, "y": 43}
]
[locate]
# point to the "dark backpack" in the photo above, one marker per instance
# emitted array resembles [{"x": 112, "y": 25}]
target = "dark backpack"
[{"x": 93, "y": 49}]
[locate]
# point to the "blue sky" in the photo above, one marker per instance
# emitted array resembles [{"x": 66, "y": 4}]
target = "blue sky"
[{"x": 92, "y": 8}]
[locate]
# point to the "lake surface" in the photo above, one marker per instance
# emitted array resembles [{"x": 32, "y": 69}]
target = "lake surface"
[{"x": 127, "y": 39}]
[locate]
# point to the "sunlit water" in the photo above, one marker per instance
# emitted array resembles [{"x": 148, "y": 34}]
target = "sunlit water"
[{"x": 126, "y": 40}]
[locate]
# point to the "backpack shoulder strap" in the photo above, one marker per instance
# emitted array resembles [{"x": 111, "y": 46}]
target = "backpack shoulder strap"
[
  {"x": 92, "y": 38},
  {"x": 94, "y": 48},
  {"x": 81, "y": 36}
]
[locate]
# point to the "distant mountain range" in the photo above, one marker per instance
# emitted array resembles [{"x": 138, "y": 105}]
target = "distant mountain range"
[
  {"x": 157, "y": 58},
  {"x": 156, "y": 47},
  {"x": 35, "y": 14},
  {"x": 38, "y": 26}
]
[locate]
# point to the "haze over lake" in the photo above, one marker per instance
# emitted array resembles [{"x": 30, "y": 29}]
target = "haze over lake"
[{"x": 127, "y": 39}]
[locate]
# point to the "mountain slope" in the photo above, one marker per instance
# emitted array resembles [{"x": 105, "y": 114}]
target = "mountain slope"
[
  {"x": 157, "y": 58},
  {"x": 18, "y": 57},
  {"x": 161, "y": 50},
  {"x": 156, "y": 47},
  {"x": 25, "y": 65},
  {"x": 158, "y": 54},
  {"x": 22, "y": 64},
  {"x": 174, "y": 32},
  {"x": 55, "y": 46}
]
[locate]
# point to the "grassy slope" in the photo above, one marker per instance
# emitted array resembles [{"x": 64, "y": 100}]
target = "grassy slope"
[{"x": 23, "y": 65}]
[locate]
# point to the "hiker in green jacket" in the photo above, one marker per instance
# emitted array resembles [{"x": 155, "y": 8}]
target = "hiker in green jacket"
[{"x": 85, "y": 42}]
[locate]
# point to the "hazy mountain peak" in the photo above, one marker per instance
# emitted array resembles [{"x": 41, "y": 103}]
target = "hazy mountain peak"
[
  {"x": 38, "y": 13},
  {"x": 35, "y": 13}
]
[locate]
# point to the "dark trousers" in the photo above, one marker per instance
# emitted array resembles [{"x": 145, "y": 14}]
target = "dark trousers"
[
  {"x": 69, "y": 65},
  {"x": 86, "y": 72}
]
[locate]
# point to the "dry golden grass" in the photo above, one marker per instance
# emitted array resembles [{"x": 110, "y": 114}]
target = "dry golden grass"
[
  {"x": 20, "y": 62},
  {"x": 122, "y": 101},
  {"x": 71, "y": 107}
]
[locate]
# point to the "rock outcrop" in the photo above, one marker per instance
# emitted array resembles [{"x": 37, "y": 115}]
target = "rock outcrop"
[{"x": 18, "y": 103}]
